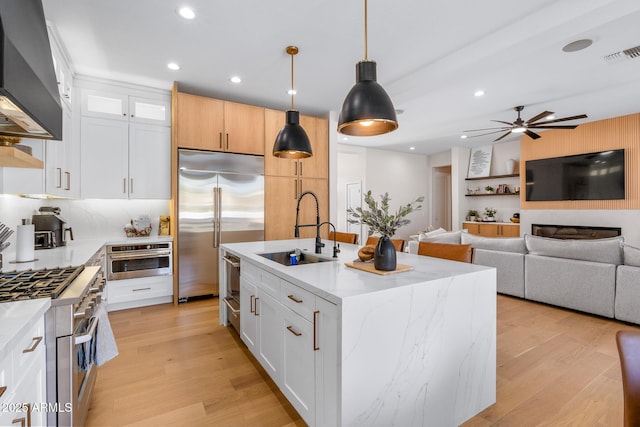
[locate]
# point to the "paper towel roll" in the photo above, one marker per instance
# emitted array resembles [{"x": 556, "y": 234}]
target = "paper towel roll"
[{"x": 25, "y": 243}]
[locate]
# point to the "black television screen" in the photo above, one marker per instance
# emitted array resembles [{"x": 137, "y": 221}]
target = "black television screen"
[{"x": 591, "y": 176}]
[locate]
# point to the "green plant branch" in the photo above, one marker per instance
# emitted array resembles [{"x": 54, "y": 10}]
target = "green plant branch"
[{"x": 377, "y": 217}]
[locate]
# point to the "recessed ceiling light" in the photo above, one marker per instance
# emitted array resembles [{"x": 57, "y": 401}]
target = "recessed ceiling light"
[
  {"x": 186, "y": 12},
  {"x": 479, "y": 92},
  {"x": 235, "y": 79},
  {"x": 292, "y": 92},
  {"x": 463, "y": 136},
  {"x": 412, "y": 148},
  {"x": 577, "y": 45},
  {"x": 173, "y": 66}
]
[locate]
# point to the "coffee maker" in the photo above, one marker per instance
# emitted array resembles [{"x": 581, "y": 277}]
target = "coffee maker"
[{"x": 50, "y": 229}]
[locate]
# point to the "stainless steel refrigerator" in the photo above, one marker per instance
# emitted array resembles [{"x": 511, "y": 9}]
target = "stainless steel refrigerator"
[{"x": 220, "y": 200}]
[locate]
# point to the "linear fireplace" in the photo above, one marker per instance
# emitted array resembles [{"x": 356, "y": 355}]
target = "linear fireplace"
[{"x": 574, "y": 231}]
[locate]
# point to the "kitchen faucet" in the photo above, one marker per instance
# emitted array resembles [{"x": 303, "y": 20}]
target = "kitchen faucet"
[
  {"x": 336, "y": 247},
  {"x": 319, "y": 244}
]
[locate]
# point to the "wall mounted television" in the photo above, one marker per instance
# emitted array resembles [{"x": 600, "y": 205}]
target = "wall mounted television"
[{"x": 590, "y": 176}]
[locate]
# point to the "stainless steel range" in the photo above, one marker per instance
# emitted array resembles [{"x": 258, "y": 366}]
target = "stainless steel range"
[{"x": 70, "y": 326}]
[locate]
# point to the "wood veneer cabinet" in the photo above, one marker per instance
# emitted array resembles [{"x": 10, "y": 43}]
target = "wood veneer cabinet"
[
  {"x": 280, "y": 206},
  {"x": 316, "y": 166},
  {"x": 489, "y": 229},
  {"x": 286, "y": 179},
  {"x": 211, "y": 124}
]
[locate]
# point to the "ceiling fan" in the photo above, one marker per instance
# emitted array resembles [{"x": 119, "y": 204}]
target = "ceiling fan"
[{"x": 521, "y": 126}]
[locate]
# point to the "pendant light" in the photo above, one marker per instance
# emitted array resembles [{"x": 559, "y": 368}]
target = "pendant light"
[
  {"x": 292, "y": 141},
  {"x": 367, "y": 110}
]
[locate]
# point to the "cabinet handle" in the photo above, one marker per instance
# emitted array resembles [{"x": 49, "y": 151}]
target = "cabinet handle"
[
  {"x": 68, "y": 175},
  {"x": 292, "y": 298},
  {"x": 59, "y": 184},
  {"x": 141, "y": 289},
  {"x": 220, "y": 140},
  {"x": 227, "y": 141},
  {"x": 315, "y": 329},
  {"x": 293, "y": 331},
  {"x": 131, "y": 187},
  {"x": 34, "y": 345},
  {"x": 256, "y": 309},
  {"x": 20, "y": 420},
  {"x": 124, "y": 185},
  {"x": 295, "y": 167},
  {"x": 300, "y": 168},
  {"x": 124, "y": 114},
  {"x": 300, "y": 182},
  {"x": 252, "y": 308},
  {"x": 2, "y": 390},
  {"x": 295, "y": 189}
]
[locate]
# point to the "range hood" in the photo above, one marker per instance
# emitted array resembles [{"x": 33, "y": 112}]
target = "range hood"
[{"x": 29, "y": 98}]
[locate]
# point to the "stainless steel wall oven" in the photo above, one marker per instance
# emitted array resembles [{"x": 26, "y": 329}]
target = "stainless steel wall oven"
[{"x": 130, "y": 261}]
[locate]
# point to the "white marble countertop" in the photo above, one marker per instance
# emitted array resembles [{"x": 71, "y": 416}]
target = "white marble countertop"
[
  {"x": 334, "y": 281},
  {"x": 16, "y": 319},
  {"x": 76, "y": 252}
]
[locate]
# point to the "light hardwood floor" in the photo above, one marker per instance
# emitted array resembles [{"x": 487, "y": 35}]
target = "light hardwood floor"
[{"x": 178, "y": 367}]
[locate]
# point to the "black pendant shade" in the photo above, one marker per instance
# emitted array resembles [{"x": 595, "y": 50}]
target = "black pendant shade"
[
  {"x": 367, "y": 110},
  {"x": 292, "y": 141}
]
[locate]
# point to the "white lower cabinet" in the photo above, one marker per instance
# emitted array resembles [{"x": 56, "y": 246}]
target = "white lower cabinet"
[
  {"x": 141, "y": 292},
  {"x": 294, "y": 335},
  {"x": 248, "y": 319},
  {"x": 298, "y": 364},
  {"x": 269, "y": 343},
  {"x": 23, "y": 373}
]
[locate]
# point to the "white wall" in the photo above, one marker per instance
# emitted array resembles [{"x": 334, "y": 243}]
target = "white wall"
[
  {"x": 90, "y": 219},
  {"x": 403, "y": 176}
]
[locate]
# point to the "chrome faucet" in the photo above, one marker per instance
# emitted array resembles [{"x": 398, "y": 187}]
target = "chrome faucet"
[{"x": 319, "y": 244}]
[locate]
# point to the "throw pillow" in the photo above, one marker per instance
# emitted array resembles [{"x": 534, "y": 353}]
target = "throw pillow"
[
  {"x": 631, "y": 255},
  {"x": 447, "y": 237},
  {"x": 607, "y": 251}
]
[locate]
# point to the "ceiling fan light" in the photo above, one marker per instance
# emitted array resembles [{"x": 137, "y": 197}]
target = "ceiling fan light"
[
  {"x": 367, "y": 110},
  {"x": 519, "y": 129},
  {"x": 292, "y": 141}
]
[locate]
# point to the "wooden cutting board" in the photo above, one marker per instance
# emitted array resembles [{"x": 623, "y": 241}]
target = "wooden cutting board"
[{"x": 369, "y": 267}]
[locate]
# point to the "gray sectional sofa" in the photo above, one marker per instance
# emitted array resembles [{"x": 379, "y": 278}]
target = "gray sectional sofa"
[{"x": 600, "y": 276}]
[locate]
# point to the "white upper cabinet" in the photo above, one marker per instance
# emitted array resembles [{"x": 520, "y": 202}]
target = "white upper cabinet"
[
  {"x": 125, "y": 142},
  {"x": 118, "y": 106}
]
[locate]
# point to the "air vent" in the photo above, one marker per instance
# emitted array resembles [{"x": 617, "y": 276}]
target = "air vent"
[{"x": 630, "y": 53}]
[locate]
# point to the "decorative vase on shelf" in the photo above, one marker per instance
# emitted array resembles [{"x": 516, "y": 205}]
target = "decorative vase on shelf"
[
  {"x": 510, "y": 166},
  {"x": 384, "y": 257}
]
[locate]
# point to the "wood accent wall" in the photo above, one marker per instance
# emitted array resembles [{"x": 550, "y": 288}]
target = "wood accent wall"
[{"x": 603, "y": 135}]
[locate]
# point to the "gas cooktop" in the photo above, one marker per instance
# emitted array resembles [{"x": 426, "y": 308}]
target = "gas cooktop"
[{"x": 30, "y": 284}]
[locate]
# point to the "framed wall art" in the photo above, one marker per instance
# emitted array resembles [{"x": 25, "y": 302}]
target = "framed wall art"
[{"x": 480, "y": 162}]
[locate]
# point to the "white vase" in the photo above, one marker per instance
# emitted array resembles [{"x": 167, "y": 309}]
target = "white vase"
[{"x": 510, "y": 165}]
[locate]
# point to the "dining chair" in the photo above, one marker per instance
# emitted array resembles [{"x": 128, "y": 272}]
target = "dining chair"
[
  {"x": 397, "y": 243},
  {"x": 344, "y": 237},
  {"x": 628, "y": 342},
  {"x": 452, "y": 251}
]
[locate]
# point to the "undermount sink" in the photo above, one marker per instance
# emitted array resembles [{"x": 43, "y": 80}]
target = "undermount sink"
[{"x": 284, "y": 258}]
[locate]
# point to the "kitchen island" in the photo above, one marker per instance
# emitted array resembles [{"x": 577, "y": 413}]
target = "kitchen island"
[{"x": 350, "y": 348}]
